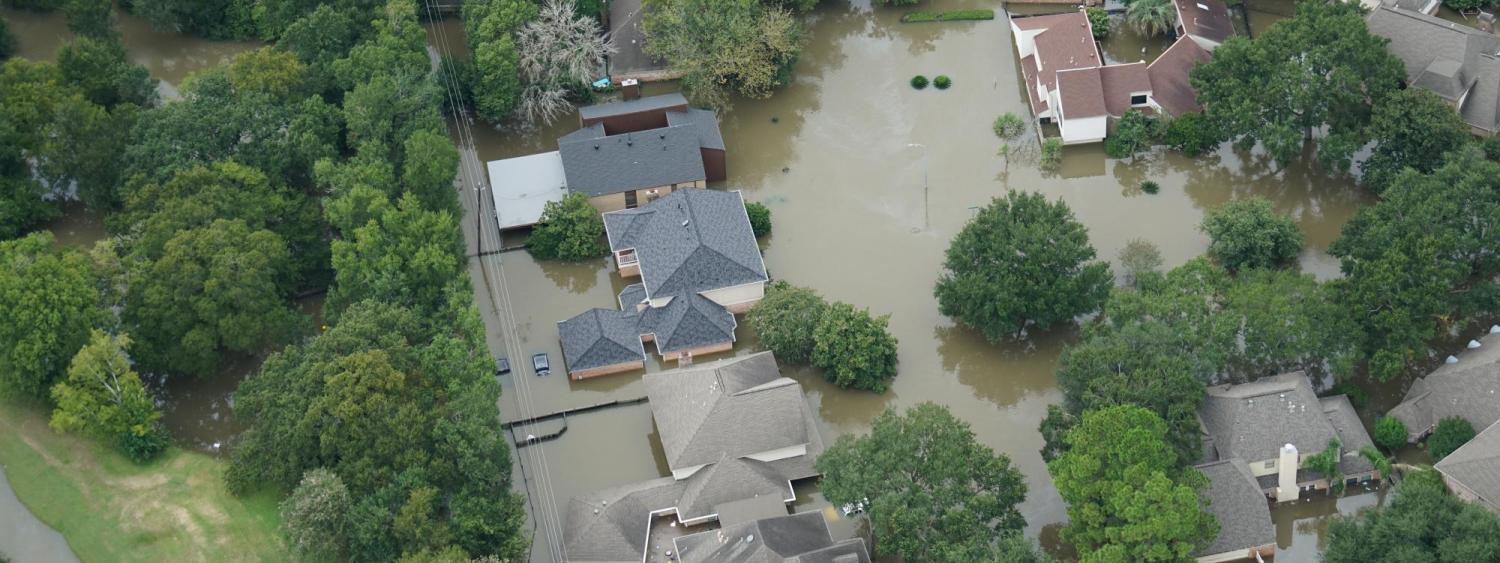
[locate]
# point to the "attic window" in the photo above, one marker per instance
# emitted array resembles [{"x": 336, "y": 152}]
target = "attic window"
[{"x": 1138, "y": 99}]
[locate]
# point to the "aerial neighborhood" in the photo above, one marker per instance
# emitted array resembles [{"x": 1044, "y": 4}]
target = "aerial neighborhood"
[{"x": 701, "y": 281}]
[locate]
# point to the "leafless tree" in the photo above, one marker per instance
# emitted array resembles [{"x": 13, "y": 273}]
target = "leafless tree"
[{"x": 558, "y": 49}]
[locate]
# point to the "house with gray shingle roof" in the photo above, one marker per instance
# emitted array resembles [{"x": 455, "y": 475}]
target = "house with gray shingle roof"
[
  {"x": 1459, "y": 63},
  {"x": 1273, "y": 424},
  {"x": 699, "y": 265},
  {"x": 1236, "y": 501},
  {"x": 1472, "y": 471},
  {"x": 797, "y": 538},
  {"x": 1468, "y": 388},
  {"x": 748, "y": 433}
]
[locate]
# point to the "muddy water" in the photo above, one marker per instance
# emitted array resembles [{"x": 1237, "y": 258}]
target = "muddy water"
[
  {"x": 169, "y": 56},
  {"x": 868, "y": 180}
]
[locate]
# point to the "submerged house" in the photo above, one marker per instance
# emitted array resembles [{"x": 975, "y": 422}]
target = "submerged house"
[
  {"x": 736, "y": 434},
  {"x": 802, "y": 538},
  {"x": 1272, "y": 425},
  {"x": 1472, "y": 471},
  {"x": 1468, "y": 388},
  {"x": 624, "y": 155},
  {"x": 1068, "y": 83},
  {"x": 1235, "y": 499},
  {"x": 699, "y": 265},
  {"x": 1459, "y": 63}
]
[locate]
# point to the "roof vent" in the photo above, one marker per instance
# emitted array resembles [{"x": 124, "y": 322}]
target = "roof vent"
[
  {"x": 1474, "y": 344},
  {"x": 685, "y": 223},
  {"x": 1451, "y": 360},
  {"x": 596, "y": 147},
  {"x": 750, "y": 538},
  {"x": 1494, "y": 329}
]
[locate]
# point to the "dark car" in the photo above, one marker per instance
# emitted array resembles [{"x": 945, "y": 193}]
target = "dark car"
[
  {"x": 502, "y": 367},
  {"x": 541, "y": 364}
]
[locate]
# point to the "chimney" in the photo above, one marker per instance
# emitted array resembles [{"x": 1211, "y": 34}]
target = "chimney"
[
  {"x": 1286, "y": 475},
  {"x": 630, "y": 89}
]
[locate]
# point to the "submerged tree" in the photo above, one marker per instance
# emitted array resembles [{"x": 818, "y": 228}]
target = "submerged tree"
[
  {"x": 1422, "y": 522},
  {"x": 1248, "y": 233},
  {"x": 786, "y": 319},
  {"x": 934, "y": 492},
  {"x": 1413, "y": 128},
  {"x": 854, "y": 348},
  {"x": 1022, "y": 262},
  {"x": 568, "y": 230},
  {"x": 720, "y": 47}
]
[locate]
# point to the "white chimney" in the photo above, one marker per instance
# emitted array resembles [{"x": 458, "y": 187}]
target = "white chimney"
[{"x": 1286, "y": 474}]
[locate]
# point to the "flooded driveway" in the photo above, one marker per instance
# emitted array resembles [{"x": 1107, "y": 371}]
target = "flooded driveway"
[{"x": 868, "y": 180}]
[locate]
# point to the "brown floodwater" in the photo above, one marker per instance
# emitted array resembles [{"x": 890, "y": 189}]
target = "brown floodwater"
[
  {"x": 868, "y": 180},
  {"x": 169, "y": 56}
]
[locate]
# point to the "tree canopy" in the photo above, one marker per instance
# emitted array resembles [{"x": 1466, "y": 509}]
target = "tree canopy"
[
  {"x": 104, "y": 398},
  {"x": 1412, "y": 128},
  {"x": 1450, "y": 434},
  {"x": 935, "y": 493},
  {"x": 744, "y": 47},
  {"x": 1248, "y": 233},
  {"x": 1129, "y": 498},
  {"x": 1414, "y": 261},
  {"x": 406, "y": 255},
  {"x": 1422, "y": 524},
  {"x": 1319, "y": 70},
  {"x": 785, "y": 320},
  {"x": 854, "y": 348},
  {"x": 570, "y": 229},
  {"x": 49, "y": 302},
  {"x": 1021, "y": 262}
]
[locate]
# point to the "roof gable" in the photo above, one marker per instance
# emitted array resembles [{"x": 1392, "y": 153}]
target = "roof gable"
[
  {"x": 690, "y": 240},
  {"x": 737, "y": 407},
  {"x": 1253, "y": 420},
  {"x": 600, "y": 337},
  {"x": 1476, "y": 465},
  {"x": 1169, "y": 77},
  {"x": 1236, "y": 501},
  {"x": 599, "y": 165}
]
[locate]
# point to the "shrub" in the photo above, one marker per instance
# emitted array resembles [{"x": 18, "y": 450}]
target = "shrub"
[
  {"x": 1150, "y": 187},
  {"x": 145, "y": 445},
  {"x": 785, "y": 320},
  {"x": 919, "y": 82},
  {"x": 1099, "y": 21},
  {"x": 1390, "y": 433},
  {"x": 1249, "y": 234},
  {"x": 1192, "y": 134},
  {"x": 1052, "y": 153},
  {"x": 955, "y": 15},
  {"x": 854, "y": 348},
  {"x": 760, "y": 218},
  {"x": 1009, "y": 126},
  {"x": 569, "y": 230},
  {"x": 1133, "y": 134},
  {"x": 315, "y": 515},
  {"x": 942, "y": 82},
  {"x": 1450, "y": 434}
]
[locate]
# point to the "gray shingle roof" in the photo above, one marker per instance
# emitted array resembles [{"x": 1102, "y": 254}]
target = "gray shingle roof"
[
  {"x": 803, "y": 538},
  {"x": 1476, "y": 465},
  {"x": 599, "y": 165},
  {"x": 727, "y": 480},
  {"x": 600, "y": 337},
  {"x": 637, "y": 105},
  {"x": 1253, "y": 420},
  {"x": 688, "y": 322},
  {"x": 1445, "y": 57},
  {"x": 1351, "y": 433},
  {"x": 1468, "y": 389},
  {"x": 631, "y": 296},
  {"x": 612, "y": 524},
  {"x": 704, "y": 121},
  {"x": 1236, "y": 501},
  {"x": 734, "y": 407},
  {"x": 690, "y": 240}
]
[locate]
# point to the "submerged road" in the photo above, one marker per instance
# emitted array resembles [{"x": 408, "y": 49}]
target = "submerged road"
[{"x": 486, "y": 266}]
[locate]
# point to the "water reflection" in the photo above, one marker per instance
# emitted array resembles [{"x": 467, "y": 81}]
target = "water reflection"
[
  {"x": 1302, "y": 526},
  {"x": 1029, "y": 363}
]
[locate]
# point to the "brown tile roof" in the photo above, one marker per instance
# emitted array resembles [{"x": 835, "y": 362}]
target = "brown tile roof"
[
  {"x": 1208, "y": 19},
  {"x": 1028, "y": 23},
  {"x": 1119, "y": 82},
  {"x": 1028, "y": 70},
  {"x": 1080, "y": 93},
  {"x": 1068, "y": 44},
  {"x": 1169, "y": 77}
]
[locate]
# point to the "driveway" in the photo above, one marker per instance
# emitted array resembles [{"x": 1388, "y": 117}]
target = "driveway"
[{"x": 625, "y": 27}]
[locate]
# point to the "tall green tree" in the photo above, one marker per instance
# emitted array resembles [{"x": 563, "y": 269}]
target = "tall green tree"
[
  {"x": 1022, "y": 262},
  {"x": 854, "y": 348},
  {"x": 1248, "y": 233},
  {"x": 1129, "y": 498},
  {"x": 404, "y": 416},
  {"x": 104, "y": 398},
  {"x": 1450, "y": 434},
  {"x": 408, "y": 256},
  {"x": 1422, "y": 523},
  {"x": 49, "y": 302},
  {"x": 745, "y": 47},
  {"x": 1412, "y": 128},
  {"x": 935, "y": 493},
  {"x": 1318, "y": 71},
  {"x": 1416, "y": 260},
  {"x": 91, "y": 18},
  {"x": 212, "y": 19},
  {"x": 490, "y": 29},
  {"x": 215, "y": 289},
  {"x": 568, "y": 230},
  {"x": 99, "y": 69},
  {"x": 785, "y": 320},
  {"x": 315, "y": 515}
]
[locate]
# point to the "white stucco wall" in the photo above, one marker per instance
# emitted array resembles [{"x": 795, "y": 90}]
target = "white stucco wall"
[{"x": 1086, "y": 130}]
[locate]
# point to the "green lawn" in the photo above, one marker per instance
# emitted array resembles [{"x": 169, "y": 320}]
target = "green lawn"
[{"x": 109, "y": 509}]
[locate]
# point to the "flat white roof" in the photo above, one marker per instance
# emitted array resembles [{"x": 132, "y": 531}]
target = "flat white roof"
[{"x": 522, "y": 186}]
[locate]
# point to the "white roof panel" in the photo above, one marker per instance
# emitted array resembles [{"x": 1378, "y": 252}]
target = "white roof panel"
[{"x": 522, "y": 186}]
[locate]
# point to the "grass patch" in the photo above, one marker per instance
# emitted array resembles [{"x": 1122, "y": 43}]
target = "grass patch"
[
  {"x": 953, "y": 16},
  {"x": 110, "y": 509}
]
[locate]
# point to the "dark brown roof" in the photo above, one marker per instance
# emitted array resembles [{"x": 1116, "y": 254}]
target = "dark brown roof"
[
  {"x": 1067, "y": 44},
  {"x": 1208, "y": 19},
  {"x": 1028, "y": 70},
  {"x": 1119, "y": 82},
  {"x": 1169, "y": 77},
  {"x": 1080, "y": 93},
  {"x": 1027, "y": 23}
]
